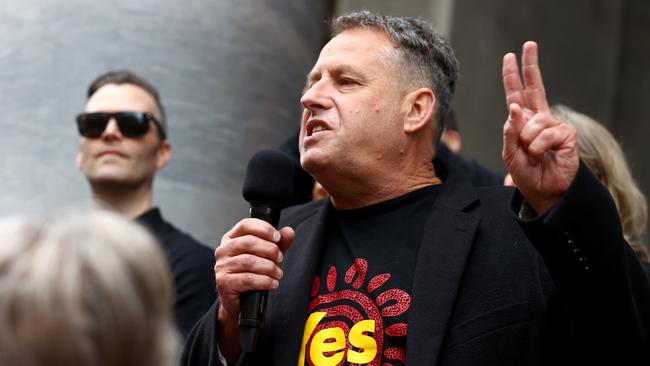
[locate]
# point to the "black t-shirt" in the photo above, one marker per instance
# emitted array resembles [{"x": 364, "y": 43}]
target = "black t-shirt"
[
  {"x": 191, "y": 264},
  {"x": 360, "y": 297}
]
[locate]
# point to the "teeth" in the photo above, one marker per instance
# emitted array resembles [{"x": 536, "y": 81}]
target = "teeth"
[{"x": 317, "y": 129}]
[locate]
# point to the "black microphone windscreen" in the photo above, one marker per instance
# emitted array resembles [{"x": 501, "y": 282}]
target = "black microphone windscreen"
[{"x": 269, "y": 178}]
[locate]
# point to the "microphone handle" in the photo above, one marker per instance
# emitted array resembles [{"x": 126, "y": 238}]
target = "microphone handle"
[{"x": 253, "y": 303}]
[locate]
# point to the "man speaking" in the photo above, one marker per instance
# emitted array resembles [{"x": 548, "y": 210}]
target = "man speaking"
[{"x": 405, "y": 263}]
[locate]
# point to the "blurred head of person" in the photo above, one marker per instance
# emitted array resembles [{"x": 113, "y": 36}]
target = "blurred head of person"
[
  {"x": 451, "y": 134},
  {"x": 318, "y": 192},
  {"x": 605, "y": 158},
  {"x": 76, "y": 291}
]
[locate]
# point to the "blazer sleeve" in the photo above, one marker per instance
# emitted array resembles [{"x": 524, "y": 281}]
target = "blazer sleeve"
[{"x": 600, "y": 280}]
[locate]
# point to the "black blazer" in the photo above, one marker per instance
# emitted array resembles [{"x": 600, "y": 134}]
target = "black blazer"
[{"x": 488, "y": 289}]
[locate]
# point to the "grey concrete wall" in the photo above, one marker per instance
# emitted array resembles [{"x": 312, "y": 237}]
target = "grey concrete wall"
[{"x": 230, "y": 74}]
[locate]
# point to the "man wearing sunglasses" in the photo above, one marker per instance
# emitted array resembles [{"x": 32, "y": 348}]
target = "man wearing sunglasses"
[{"x": 123, "y": 144}]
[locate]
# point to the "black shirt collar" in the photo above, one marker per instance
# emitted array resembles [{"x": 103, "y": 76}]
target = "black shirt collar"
[
  {"x": 152, "y": 220},
  {"x": 386, "y": 206}
]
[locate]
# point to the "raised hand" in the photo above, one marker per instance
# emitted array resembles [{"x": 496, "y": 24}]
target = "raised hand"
[{"x": 540, "y": 151}]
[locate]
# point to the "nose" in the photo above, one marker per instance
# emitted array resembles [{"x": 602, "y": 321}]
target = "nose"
[
  {"x": 112, "y": 130},
  {"x": 317, "y": 96}
]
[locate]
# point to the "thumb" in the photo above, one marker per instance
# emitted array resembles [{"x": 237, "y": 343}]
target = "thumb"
[{"x": 286, "y": 238}]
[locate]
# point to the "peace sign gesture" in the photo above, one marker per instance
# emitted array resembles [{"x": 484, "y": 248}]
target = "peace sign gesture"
[{"x": 540, "y": 151}]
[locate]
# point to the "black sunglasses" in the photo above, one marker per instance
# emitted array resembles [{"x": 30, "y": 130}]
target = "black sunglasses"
[{"x": 131, "y": 124}]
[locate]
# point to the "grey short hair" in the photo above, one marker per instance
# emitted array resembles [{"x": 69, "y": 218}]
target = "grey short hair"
[
  {"x": 427, "y": 55},
  {"x": 84, "y": 290}
]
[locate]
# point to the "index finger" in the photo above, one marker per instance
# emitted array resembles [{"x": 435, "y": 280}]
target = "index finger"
[
  {"x": 512, "y": 81},
  {"x": 255, "y": 227},
  {"x": 534, "y": 85}
]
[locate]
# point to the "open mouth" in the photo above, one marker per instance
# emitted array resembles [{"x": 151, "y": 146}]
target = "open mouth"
[
  {"x": 314, "y": 127},
  {"x": 318, "y": 129}
]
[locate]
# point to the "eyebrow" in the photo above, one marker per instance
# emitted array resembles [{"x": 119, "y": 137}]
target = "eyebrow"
[{"x": 336, "y": 70}]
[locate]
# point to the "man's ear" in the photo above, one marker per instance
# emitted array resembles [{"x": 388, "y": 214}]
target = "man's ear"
[
  {"x": 418, "y": 109},
  {"x": 164, "y": 154}
]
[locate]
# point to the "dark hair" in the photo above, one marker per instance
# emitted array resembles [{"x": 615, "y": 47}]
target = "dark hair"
[
  {"x": 427, "y": 55},
  {"x": 128, "y": 77}
]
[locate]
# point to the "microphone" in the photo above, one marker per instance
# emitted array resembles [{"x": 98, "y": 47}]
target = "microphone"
[{"x": 268, "y": 187}]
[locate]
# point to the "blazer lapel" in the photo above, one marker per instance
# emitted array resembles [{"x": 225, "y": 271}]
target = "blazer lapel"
[
  {"x": 447, "y": 241},
  {"x": 288, "y": 304}
]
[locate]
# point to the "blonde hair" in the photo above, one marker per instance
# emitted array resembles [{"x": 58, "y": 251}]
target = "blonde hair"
[
  {"x": 93, "y": 290},
  {"x": 604, "y": 156}
]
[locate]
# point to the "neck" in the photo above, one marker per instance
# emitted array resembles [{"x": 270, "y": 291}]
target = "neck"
[
  {"x": 365, "y": 189},
  {"x": 128, "y": 201}
]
